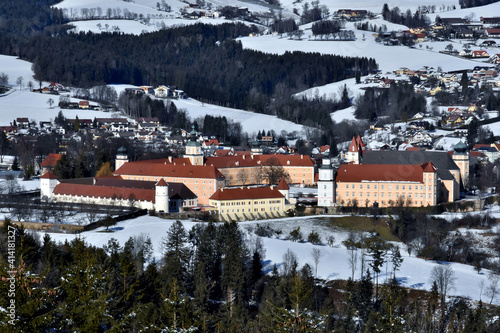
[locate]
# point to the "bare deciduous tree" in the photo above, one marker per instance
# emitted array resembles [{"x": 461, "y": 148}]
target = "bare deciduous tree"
[
  {"x": 316, "y": 254},
  {"x": 493, "y": 288},
  {"x": 445, "y": 278}
]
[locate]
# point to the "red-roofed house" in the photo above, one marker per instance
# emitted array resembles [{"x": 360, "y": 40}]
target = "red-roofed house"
[
  {"x": 480, "y": 54},
  {"x": 367, "y": 184},
  {"x": 50, "y": 162},
  {"x": 493, "y": 33},
  {"x": 245, "y": 203}
]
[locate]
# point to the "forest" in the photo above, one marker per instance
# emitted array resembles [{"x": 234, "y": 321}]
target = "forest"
[
  {"x": 397, "y": 102},
  {"x": 202, "y": 60},
  {"x": 210, "y": 279},
  {"x": 475, "y": 3}
]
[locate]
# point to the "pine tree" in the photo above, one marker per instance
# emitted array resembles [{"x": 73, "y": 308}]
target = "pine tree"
[
  {"x": 83, "y": 289},
  {"x": 15, "y": 164},
  {"x": 176, "y": 253},
  {"x": 76, "y": 124}
]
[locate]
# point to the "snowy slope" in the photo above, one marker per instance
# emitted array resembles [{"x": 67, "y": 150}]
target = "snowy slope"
[
  {"x": 22, "y": 103},
  {"x": 333, "y": 264}
]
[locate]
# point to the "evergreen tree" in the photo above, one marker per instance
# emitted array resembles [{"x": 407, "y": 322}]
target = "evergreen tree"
[
  {"x": 76, "y": 124},
  {"x": 15, "y": 164},
  {"x": 84, "y": 307},
  {"x": 176, "y": 253}
]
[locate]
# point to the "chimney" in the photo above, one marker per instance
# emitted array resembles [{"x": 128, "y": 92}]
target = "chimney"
[
  {"x": 301, "y": 157},
  {"x": 252, "y": 156},
  {"x": 170, "y": 158},
  {"x": 222, "y": 189},
  {"x": 244, "y": 156},
  {"x": 272, "y": 187}
]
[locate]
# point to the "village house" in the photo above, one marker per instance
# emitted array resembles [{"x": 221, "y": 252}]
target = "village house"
[
  {"x": 22, "y": 122},
  {"x": 493, "y": 33},
  {"x": 50, "y": 162}
]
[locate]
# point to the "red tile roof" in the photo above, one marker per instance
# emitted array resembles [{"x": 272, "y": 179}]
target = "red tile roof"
[
  {"x": 105, "y": 192},
  {"x": 49, "y": 175},
  {"x": 246, "y": 193},
  {"x": 255, "y": 160},
  {"x": 354, "y": 145},
  {"x": 283, "y": 185},
  {"x": 162, "y": 182},
  {"x": 155, "y": 169},
  {"x": 51, "y": 160},
  {"x": 379, "y": 172}
]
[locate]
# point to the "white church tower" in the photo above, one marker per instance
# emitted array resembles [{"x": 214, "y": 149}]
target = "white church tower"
[
  {"x": 121, "y": 157},
  {"x": 326, "y": 183},
  {"x": 161, "y": 196}
]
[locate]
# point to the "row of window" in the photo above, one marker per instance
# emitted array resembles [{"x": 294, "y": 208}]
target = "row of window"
[
  {"x": 242, "y": 203},
  {"x": 410, "y": 195},
  {"x": 389, "y": 187},
  {"x": 242, "y": 210},
  {"x": 390, "y": 203}
]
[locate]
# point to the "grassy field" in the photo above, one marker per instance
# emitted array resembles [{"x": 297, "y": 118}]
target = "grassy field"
[{"x": 362, "y": 223}]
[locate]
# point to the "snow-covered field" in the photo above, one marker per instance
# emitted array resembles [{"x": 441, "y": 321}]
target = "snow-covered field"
[{"x": 333, "y": 264}]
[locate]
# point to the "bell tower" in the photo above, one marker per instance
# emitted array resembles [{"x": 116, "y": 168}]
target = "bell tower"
[{"x": 193, "y": 149}]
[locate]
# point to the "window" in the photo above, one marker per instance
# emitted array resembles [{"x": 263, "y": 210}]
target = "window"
[
  {"x": 409, "y": 187},
  {"x": 375, "y": 186},
  {"x": 389, "y": 194},
  {"x": 381, "y": 194},
  {"x": 352, "y": 185},
  {"x": 397, "y": 187},
  {"x": 403, "y": 187},
  {"x": 360, "y": 194},
  {"x": 368, "y": 186},
  {"x": 360, "y": 186},
  {"x": 390, "y": 187},
  {"x": 346, "y": 185}
]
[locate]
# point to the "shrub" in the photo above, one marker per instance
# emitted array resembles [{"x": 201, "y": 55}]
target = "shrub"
[
  {"x": 296, "y": 235},
  {"x": 313, "y": 238}
]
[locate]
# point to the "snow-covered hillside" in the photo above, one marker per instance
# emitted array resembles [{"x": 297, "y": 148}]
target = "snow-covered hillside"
[
  {"x": 22, "y": 103},
  {"x": 333, "y": 264}
]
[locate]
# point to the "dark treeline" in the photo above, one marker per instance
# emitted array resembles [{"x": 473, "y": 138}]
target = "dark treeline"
[
  {"x": 475, "y": 3},
  {"x": 209, "y": 279},
  {"x": 397, "y": 102},
  {"x": 226, "y": 130},
  {"x": 394, "y": 15},
  {"x": 283, "y": 26},
  {"x": 20, "y": 19},
  {"x": 326, "y": 27},
  {"x": 200, "y": 59}
]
